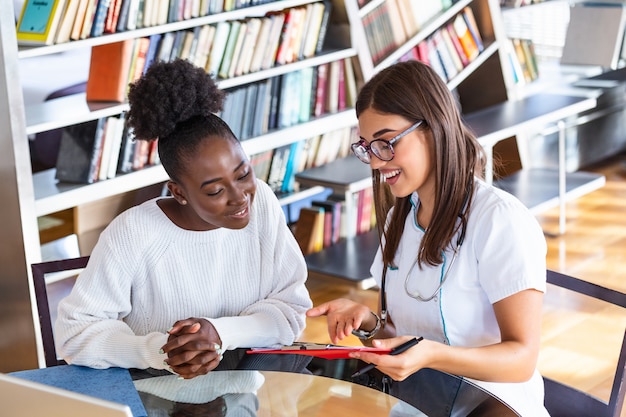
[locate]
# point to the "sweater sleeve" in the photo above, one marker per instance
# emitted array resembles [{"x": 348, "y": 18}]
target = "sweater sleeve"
[
  {"x": 278, "y": 317},
  {"x": 89, "y": 329}
]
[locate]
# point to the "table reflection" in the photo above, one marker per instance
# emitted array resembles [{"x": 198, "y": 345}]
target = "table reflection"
[
  {"x": 262, "y": 385},
  {"x": 264, "y": 393},
  {"x": 217, "y": 394}
]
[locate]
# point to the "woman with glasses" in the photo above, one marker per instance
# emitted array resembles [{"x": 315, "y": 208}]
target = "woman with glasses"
[
  {"x": 461, "y": 262},
  {"x": 176, "y": 281}
]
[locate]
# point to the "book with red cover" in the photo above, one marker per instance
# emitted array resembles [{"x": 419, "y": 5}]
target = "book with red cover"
[
  {"x": 341, "y": 86},
  {"x": 319, "y": 350},
  {"x": 108, "y": 71},
  {"x": 113, "y": 14},
  {"x": 319, "y": 107},
  {"x": 454, "y": 38},
  {"x": 422, "y": 52},
  {"x": 285, "y": 36}
]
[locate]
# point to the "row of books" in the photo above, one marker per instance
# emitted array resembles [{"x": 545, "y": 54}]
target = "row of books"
[
  {"x": 286, "y": 100},
  {"x": 101, "y": 149},
  {"x": 407, "y": 17},
  {"x": 70, "y": 20},
  {"x": 385, "y": 32},
  {"x": 225, "y": 49},
  {"x": 393, "y": 22},
  {"x": 277, "y": 167},
  {"x": 521, "y": 53},
  {"x": 326, "y": 221},
  {"x": 450, "y": 48}
]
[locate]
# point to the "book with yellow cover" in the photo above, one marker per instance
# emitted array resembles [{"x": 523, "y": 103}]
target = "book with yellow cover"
[{"x": 39, "y": 21}]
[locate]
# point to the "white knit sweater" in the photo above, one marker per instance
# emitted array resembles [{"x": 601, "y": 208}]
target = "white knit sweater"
[{"x": 145, "y": 273}]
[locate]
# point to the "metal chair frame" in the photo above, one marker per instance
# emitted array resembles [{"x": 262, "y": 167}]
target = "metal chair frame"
[
  {"x": 564, "y": 400},
  {"x": 40, "y": 271}
]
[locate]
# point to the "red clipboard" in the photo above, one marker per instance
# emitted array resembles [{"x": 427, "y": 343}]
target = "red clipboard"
[{"x": 318, "y": 350}]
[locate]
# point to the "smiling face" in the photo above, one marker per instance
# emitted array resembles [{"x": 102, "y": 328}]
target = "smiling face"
[
  {"x": 218, "y": 186},
  {"x": 412, "y": 166}
]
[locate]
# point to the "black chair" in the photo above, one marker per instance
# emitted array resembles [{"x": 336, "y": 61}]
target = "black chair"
[
  {"x": 52, "y": 281},
  {"x": 563, "y": 400}
]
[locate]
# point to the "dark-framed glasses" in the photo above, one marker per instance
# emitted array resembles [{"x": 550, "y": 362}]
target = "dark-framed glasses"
[{"x": 381, "y": 148}]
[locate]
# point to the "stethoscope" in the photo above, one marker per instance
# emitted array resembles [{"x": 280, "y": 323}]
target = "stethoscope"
[{"x": 416, "y": 294}]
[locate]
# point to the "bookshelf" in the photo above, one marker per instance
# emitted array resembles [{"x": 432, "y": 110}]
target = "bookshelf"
[
  {"x": 31, "y": 196},
  {"x": 28, "y": 196},
  {"x": 487, "y": 68},
  {"x": 344, "y": 176},
  {"x": 378, "y": 48},
  {"x": 347, "y": 261},
  {"x": 496, "y": 114}
]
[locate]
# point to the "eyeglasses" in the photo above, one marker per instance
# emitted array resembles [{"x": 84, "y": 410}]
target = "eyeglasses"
[{"x": 381, "y": 148}]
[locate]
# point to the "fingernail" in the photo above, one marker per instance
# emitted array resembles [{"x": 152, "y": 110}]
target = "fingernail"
[
  {"x": 216, "y": 346},
  {"x": 170, "y": 329},
  {"x": 161, "y": 351},
  {"x": 166, "y": 364},
  {"x": 221, "y": 357},
  {"x": 180, "y": 377}
]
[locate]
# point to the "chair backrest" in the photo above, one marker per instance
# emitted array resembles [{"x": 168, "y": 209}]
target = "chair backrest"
[
  {"x": 53, "y": 280},
  {"x": 564, "y": 400}
]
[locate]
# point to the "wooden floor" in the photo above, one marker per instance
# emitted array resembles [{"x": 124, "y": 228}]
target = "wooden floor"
[{"x": 580, "y": 340}]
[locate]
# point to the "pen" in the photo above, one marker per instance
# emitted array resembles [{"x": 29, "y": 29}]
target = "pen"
[{"x": 395, "y": 351}]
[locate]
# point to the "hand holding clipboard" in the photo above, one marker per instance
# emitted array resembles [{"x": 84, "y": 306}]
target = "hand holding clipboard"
[
  {"x": 334, "y": 351},
  {"x": 395, "y": 351}
]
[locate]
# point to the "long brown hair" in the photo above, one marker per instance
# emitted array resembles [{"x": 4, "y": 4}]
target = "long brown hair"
[{"x": 414, "y": 91}]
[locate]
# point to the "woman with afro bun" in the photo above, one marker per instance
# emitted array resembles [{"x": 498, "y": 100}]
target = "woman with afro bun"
[{"x": 176, "y": 281}]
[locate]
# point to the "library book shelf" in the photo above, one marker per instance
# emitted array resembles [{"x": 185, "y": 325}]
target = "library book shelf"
[
  {"x": 481, "y": 81},
  {"x": 494, "y": 108},
  {"x": 30, "y": 196}
]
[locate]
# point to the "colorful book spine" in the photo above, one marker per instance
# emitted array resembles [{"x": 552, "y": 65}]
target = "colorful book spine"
[
  {"x": 97, "y": 28},
  {"x": 470, "y": 20}
]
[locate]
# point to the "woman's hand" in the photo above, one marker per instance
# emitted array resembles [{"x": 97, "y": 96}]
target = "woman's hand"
[
  {"x": 193, "y": 347},
  {"x": 343, "y": 316},
  {"x": 400, "y": 366}
]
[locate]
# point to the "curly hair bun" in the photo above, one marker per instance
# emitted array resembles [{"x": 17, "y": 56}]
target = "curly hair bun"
[{"x": 170, "y": 93}]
